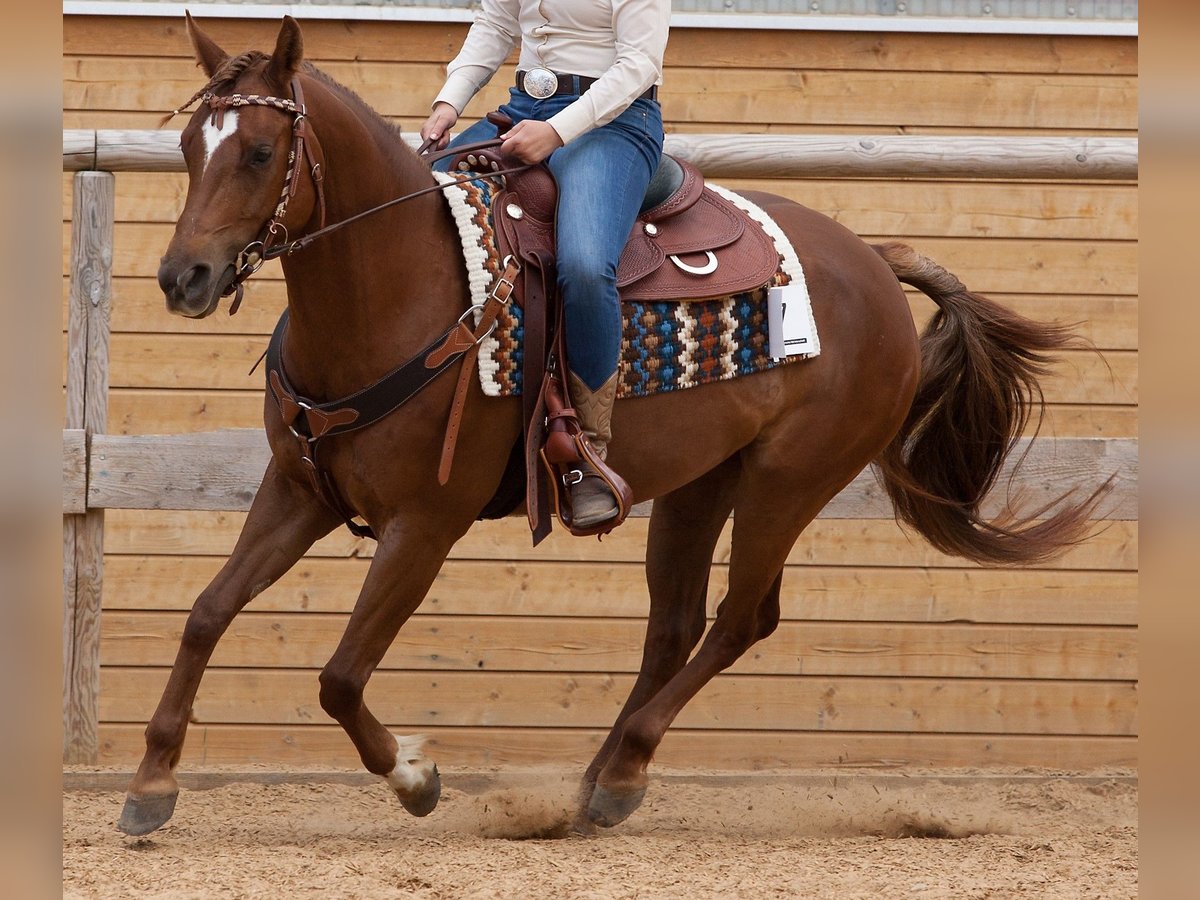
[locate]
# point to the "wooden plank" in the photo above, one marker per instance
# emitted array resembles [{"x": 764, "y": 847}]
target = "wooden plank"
[
  {"x": 211, "y": 470},
  {"x": 527, "y": 644},
  {"x": 1057, "y": 211},
  {"x": 690, "y": 93},
  {"x": 834, "y": 542},
  {"x": 1081, "y": 420},
  {"x": 618, "y": 590},
  {"x": 164, "y": 411},
  {"x": 222, "y": 470},
  {"x": 439, "y": 42},
  {"x": 74, "y": 476},
  {"x": 927, "y": 208},
  {"x": 86, "y": 381},
  {"x": 223, "y": 362},
  {"x": 744, "y": 751},
  {"x": 159, "y": 411},
  {"x": 990, "y": 266},
  {"x": 410, "y": 700}
]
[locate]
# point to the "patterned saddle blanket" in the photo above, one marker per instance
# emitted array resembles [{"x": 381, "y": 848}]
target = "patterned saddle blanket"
[{"x": 666, "y": 345}]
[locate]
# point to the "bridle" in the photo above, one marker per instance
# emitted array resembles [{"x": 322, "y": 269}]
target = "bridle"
[
  {"x": 273, "y": 240},
  {"x": 310, "y": 421}
]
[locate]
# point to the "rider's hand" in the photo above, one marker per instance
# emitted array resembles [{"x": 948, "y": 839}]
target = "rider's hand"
[
  {"x": 531, "y": 141},
  {"x": 437, "y": 126}
]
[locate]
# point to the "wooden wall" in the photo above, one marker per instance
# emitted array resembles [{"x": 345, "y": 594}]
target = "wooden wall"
[{"x": 890, "y": 652}]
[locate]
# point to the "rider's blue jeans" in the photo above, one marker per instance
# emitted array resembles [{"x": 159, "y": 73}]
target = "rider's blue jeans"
[{"x": 602, "y": 177}]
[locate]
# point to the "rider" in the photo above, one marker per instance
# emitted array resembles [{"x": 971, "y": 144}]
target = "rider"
[{"x": 585, "y": 100}]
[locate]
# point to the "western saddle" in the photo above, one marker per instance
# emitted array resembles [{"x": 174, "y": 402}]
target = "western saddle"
[{"x": 688, "y": 243}]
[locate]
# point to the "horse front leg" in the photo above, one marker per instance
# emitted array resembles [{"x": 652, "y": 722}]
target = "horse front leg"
[
  {"x": 284, "y": 521},
  {"x": 406, "y": 562}
]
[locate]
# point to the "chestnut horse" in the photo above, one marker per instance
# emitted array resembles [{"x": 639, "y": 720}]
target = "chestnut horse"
[{"x": 938, "y": 416}]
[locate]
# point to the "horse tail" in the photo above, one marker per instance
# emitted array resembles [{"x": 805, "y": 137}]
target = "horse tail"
[{"x": 980, "y": 371}]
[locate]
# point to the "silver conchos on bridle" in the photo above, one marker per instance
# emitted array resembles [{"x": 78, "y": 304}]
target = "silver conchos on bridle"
[{"x": 540, "y": 83}]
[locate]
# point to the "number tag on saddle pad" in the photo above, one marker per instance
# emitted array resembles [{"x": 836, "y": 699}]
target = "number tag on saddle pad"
[{"x": 789, "y": 327}]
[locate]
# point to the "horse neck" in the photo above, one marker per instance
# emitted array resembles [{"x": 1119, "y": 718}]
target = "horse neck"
[{"x": 364, "y": 298}]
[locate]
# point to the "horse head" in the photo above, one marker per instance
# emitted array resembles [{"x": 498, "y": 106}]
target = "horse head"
[{"x": 243, "y": 191}]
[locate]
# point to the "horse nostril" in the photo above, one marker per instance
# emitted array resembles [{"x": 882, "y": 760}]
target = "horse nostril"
[
  {"x": 185, "y": 288},
  {"x": 195, "y": 281}
]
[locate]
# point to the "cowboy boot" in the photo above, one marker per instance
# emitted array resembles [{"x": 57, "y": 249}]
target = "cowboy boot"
[{"x": 592, "y": 502}]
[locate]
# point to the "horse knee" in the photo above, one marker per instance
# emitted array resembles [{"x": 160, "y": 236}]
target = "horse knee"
[
  {"x": 204, "y": 627},
  {"x": 340, "y": 694}
]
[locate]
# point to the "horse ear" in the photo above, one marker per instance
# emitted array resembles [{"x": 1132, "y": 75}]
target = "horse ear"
[
  {"x": 289, "y": 50},
  {"x": 209, "y": 56}
]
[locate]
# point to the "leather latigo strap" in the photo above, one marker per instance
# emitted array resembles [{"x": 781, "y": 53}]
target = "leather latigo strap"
[{"x": 500, "y": 295}]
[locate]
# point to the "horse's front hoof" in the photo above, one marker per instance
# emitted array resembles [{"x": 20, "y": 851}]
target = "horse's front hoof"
[
  {"x": 143, "y": 815},
  {"x": 608, "y": 808},
  {"x": 423, "y": 799}
]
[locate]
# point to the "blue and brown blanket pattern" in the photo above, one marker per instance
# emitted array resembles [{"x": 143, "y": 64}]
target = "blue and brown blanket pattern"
[{"x": 666, "y": 346}]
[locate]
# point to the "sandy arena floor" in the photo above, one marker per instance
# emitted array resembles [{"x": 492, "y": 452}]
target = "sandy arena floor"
[{"x": 503, "y": 835}]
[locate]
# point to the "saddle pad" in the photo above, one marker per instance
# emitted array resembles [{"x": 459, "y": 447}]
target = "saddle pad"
[{"x": 666, "y": 346}]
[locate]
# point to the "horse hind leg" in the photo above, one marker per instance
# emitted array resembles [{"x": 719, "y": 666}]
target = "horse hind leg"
[
  {"x": 684, "y": 528},
  {"x": 284, "y": 521},
  {"x": 765, "y": 527}
]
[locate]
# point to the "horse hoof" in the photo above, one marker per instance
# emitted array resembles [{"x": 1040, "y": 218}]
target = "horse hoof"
[
  {"x": 423, "y": 800},
  {"x": 143, "y": 815},
  {"x": 608, "y": 808},
  {"x": 582, "y": 826}
]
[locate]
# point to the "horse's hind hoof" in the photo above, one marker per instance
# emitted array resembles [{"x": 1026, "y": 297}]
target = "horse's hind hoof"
[
  {"x": 424, "y": 799},
  {"x": 608, "y": 808},
  {"x": 143, "y": 815},
  {"x": 582, "y": 826}
]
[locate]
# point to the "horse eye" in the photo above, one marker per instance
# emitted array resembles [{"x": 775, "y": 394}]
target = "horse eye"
[{"x": 261, "y": 154}]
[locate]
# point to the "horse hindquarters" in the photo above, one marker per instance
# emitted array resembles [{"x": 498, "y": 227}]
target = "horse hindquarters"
[{"x": 807, "y": 429}]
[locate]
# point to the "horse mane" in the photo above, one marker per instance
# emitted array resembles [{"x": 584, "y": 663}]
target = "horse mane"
[
  {"x": 234, "y": 67},
  {"x": 388, "y": 133}
]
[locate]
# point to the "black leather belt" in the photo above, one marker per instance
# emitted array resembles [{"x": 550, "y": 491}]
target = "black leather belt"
[{"x": 574, "y": 84}]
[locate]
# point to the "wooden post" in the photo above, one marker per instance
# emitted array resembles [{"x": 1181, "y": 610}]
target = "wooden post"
[{"x": 87, "y": 409}]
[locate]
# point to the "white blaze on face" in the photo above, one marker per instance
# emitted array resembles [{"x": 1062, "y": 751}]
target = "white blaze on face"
[{"x": 213, "y": 135}]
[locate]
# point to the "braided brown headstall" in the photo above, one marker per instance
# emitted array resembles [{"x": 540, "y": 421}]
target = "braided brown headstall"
[{"x": 305, "y": 146}]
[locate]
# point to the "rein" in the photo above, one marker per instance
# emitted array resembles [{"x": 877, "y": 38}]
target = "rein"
[
  {"x": 310, "y": 421},
  {"x": 306, "y": 146}
]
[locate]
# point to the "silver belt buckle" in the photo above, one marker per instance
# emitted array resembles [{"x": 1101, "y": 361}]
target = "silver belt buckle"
[{"x": 540, "y": 83}]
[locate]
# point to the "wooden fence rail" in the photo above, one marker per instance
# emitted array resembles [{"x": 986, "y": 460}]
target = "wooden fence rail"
[
  {"x": 221, "y": 470},
  {"x": 749, "y": 156}
]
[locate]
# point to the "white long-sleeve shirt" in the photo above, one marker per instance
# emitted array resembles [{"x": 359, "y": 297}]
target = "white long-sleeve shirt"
[{"x": 618, "y": 42}]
